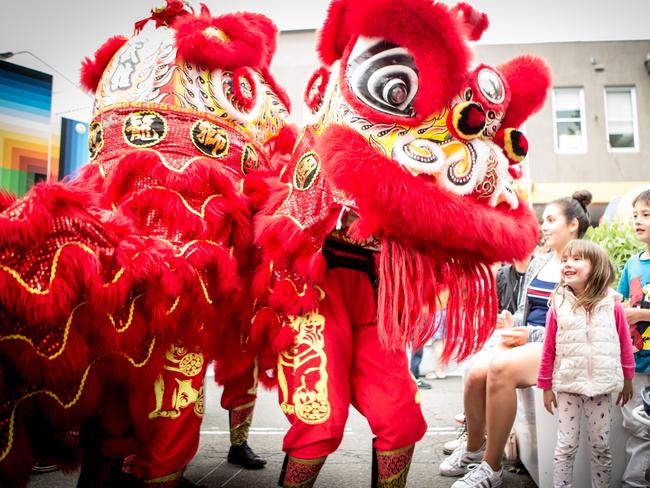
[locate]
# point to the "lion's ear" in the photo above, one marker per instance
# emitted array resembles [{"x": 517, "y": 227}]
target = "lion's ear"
[
  {"x": 529, "y": 79},
  {"x": 475, "y": 22},
  {"x": 335, "y": 33},
  {"x": 93, "y": 69}
]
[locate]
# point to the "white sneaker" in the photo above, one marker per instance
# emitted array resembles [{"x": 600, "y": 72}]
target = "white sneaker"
[
  {"x": 480, "y": 476},
  {"x": 458, "y": 461},
  {"x": 450, "y": 446}
]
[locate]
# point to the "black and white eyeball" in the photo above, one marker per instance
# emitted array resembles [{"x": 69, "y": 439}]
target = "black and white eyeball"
[{"x": 383, "y": 76}]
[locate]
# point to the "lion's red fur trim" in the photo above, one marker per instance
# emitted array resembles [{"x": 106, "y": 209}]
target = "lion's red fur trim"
[
  {"x": 229, "y": 41},
  {"x": 93, "y": 69},
  {"x": 529, "y": 79}
]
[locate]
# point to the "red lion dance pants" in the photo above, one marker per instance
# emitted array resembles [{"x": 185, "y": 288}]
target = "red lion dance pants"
[
  {"x": 166, "y": 417},
  {"x": 338, "y": 360}
]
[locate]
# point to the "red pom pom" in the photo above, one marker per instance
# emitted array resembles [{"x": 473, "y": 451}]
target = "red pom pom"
[
  {"x": 466, "y": 120},
  {"x": 93, "y": 69}
]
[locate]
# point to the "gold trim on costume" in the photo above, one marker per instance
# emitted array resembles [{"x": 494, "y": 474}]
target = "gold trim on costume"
[
  {"x": 163, "y": 479},
  {"x": 66, "y": 332},
  {"x": 128, "y": 320},
  {"x": 176, "y": 302},
  {"x": 55, "y": 263},
  {"x": 205, "y": 290},
  {"x": 53, "y": 395}
]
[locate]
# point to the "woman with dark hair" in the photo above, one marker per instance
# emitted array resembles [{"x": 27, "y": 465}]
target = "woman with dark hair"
[{"x": 490, "y": 399}]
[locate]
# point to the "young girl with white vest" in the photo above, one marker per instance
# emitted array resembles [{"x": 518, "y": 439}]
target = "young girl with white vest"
[{"x": 587, "y": 356}]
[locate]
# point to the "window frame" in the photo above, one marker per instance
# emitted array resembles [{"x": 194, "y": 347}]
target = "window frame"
[
  {"x": 635, "y": 119},
  {"x": 583, "y": 120}
]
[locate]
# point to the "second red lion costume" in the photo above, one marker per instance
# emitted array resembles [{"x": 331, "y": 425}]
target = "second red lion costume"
[
  {"x": 118, "y": 287},
  {"x": 400, "y": 187}
]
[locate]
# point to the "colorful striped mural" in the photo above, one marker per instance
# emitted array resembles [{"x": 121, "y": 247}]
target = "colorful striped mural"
[
  {"x": 74, "y": 147},
  {"x": 25, "y": 127}
]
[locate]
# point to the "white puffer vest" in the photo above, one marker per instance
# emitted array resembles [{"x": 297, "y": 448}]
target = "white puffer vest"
[{"x": 587, "y": 353}]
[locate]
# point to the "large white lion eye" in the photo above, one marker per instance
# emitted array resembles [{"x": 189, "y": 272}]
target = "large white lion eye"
[
  {"x": 383, "y": 76},
  {"x": 491, "y": 86}
]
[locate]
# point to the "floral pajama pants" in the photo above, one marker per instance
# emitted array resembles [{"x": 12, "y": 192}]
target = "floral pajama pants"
[{"x": 597, "y": 410}]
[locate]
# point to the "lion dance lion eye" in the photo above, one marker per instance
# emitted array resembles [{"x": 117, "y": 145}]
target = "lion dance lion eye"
[
  {"x": 383, "y": 76},
  {"x": 491, "y": 86}
]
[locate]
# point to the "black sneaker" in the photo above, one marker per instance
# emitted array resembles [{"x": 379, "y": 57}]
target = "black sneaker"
[
  {"x": 245, "y": 457},
  {"x": 422, "y": 385}
]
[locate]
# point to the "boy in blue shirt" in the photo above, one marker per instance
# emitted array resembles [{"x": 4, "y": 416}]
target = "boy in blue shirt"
[{"x": 635, "y": 287}]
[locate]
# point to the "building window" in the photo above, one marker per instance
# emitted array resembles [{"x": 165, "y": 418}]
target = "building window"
[
  {"x": 569, "y": 114},
  {"x": 620, "y": 111}
]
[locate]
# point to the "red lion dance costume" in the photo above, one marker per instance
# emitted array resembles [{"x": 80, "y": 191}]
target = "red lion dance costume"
[
  {"x": 130, "y": 278},
  {"x": 399, "y": 188}
]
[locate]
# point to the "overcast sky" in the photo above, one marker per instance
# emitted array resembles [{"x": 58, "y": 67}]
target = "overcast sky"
[{"x": 62, "y": 32}]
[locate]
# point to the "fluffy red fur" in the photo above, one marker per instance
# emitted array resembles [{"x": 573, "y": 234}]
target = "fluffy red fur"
[
  {"x": 418, "y": 213},
  {"x": 529, "y": 79},
  {"x": 93, "y": 69},
  {"x": 335, "y": 33},
  {"x": 6, "y": 199},
  {"x": 428, "y": 30},
  {"x": 475, "y": 22},
  {"x": 249, "y": 40}
]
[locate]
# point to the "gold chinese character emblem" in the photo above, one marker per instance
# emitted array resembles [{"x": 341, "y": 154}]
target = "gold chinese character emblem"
[
  {"x": 306, "y": 171},
  {"x": 210, "y": 139},
  {"x": 249, "y": 159},
  {"x": 95, "y": 139},
  {"x": 144, "y": 129}
]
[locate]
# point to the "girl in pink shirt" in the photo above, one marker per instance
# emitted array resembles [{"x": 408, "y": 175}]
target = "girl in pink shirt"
[{"x": 587, "y": 356}]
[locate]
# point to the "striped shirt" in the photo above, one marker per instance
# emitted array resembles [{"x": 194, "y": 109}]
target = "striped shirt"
[{"x": 538, "y": 294}]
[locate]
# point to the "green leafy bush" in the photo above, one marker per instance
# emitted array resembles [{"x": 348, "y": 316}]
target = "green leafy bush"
[{"x": 618, "y": 240}]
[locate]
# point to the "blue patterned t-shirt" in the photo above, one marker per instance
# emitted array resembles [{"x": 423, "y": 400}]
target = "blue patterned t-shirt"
[{"x": 635, "y": 286}]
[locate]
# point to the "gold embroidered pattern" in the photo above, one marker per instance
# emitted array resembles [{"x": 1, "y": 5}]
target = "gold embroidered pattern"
[
  {"x": 144, "y": 128},
  {"x": 307, "y": 359},
  {"x": 95, "y": 139},
  {"x": 306, "y": 171},
  {"x": 209, "y": 138},
  {"x": 173, "y": 394}
]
